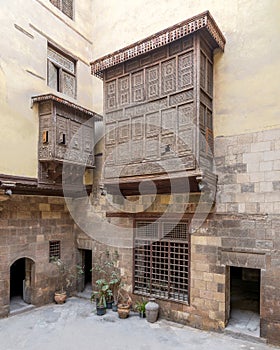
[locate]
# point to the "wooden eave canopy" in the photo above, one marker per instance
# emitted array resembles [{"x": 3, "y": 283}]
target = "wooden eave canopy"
[
  {"x": 202, "y": 22},
  {"x": 62, "y": 101}
]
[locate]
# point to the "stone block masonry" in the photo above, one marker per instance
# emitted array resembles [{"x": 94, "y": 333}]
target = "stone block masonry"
[{"x": 27, "y": 224}]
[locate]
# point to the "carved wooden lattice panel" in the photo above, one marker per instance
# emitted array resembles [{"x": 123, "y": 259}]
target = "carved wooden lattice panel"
[
  {"x": 138, "y": 86},
  {"x": 111, "y": 133},
  {"x": 152, "y": 86},
  {"x": 169, "y": 121},
  {"x": 185, "y": 71},
  {"x": 168, "y": 76},
  {"x": 137, "y": 128},
  {"x": 152, "y": 124},
  {"x": 124, "y": 90},
  {"x": 152, "y": 148},
  {"x": 111, "y": 94},
  {"x": 124, "y": 130},
  {"x": 69, "y": 84}
]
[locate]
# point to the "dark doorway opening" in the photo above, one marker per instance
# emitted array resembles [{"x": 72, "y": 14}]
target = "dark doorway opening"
[
  {"x": 88, "y": 266},
  {"x": 245, "y": 300},
  {"x": 17, "y": 278},
  {"x": 85, "y": 280},
  {"x": 245, "y": 289}
]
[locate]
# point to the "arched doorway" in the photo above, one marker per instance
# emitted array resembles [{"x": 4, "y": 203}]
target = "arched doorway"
[{"x": 21, "y": 280}]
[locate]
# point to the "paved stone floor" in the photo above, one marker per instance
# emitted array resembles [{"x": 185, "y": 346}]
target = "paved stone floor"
[{"x": 74, "y": 326}]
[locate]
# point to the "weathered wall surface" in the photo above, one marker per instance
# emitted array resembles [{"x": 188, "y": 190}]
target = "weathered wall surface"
[
  {"x": 27, "y": 27},
  {"x": 28, "y": 223}
]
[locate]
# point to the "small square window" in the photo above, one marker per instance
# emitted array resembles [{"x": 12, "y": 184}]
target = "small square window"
[{"x": 54, "y": 250}]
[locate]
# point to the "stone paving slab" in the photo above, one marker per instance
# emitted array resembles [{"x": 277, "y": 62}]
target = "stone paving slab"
[{"x": 74, "y": 325}]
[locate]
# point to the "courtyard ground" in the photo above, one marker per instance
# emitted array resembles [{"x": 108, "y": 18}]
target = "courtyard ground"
[{"x": 75, "y": 326}]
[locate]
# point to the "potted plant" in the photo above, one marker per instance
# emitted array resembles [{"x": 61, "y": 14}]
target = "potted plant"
[
  {"x": 140, "y": 307},
  {"x": 106, "y": 269},
  {"x": 65, "y": 278},
  {"x": 125, "y": 303},
  {"x": 101, "y": 295}
]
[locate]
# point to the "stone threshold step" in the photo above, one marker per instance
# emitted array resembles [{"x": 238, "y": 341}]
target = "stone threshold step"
[{"x": 244, "y": 336}]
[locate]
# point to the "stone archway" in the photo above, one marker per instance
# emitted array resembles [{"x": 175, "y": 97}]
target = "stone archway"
[{"x": 22, "y": 279}]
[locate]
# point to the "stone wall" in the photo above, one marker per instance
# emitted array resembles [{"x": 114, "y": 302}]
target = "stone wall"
[
  {"x": 28, "y": 223},
  {"x": 248, "y": 219}
]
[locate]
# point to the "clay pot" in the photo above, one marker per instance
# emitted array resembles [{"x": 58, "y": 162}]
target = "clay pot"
[
  {"x": 123, "y": 310},
  {"x": 151, "y": 310},
  {"x": 60, "y": 297}
]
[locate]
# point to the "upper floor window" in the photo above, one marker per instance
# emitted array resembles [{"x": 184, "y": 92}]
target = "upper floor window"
[
  {"x": 65, "y": 6},
  {"x": 61, "y": 72}
]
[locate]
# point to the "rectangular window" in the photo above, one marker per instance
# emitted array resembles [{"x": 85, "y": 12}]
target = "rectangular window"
[
  {"x": 61, "y": 72},
  {"x": 161, "y": 260},
  {"x": 54, "y": 250},
  {"x": 65, "y": 6}
]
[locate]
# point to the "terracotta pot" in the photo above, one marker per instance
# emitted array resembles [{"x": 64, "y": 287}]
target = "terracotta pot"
[
  {"x": 60, "y": 297},
  {"x": 123, "y": 310}
]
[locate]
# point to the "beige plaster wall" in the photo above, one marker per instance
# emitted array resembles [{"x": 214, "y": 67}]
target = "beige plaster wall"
[
  {"x": 23, "y": 72},
  {"x": 246, "y": 74}
]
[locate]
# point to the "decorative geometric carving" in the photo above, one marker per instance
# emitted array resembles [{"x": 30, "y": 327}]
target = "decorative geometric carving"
[
  {"x": 114, "y": 116},
  {"x": 69, "y": 84},
  {"x": 181, "y": 97},
  {"x": 152, "y": 86},
  {"x": 62, "y": 61},
  {"x": 110, "y": 155},
  {"x": 111, "y": 94},
  {"x": 152, "y": 124},
  {"x": 124, "y": 93},
  {"x": 146, "y": 108},
  {"x": 137, "y": 128},
  {"x": 168, "y": 76},
  {"x": 185, "y": 116},
  {"x": 61, "y": 128},
  {"x": 202, "y": 71},
  {"x": 123, "y": 153},
  {"x": 138, "y": 86},
  {"x": 124, "y": 130},
  {"x": 137, "y": 150},
  {"x": 75, "y": 135},
  {"x": 152, "y": 148},
  {"x": 87, "y": 139},
  {"x": 185, "y": 71},
  {"x": 168, "y": 121},
  {"x": 111, "y": 133},
  {"x": 185, "y": 141}
]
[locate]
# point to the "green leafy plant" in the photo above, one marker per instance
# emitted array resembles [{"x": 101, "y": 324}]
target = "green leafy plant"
[
  {"x": 140, "y": 305},
  {"x": 102, "y": 293},
  {"x": 106, "y": 268}
]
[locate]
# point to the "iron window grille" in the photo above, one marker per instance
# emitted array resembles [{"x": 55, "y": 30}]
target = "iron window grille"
[
  {"x": 161, "y": 260},
  {"x": 54, "y": 250},
  {"x": 65, "y": 6},
  {"x": 61, "y": 72}
]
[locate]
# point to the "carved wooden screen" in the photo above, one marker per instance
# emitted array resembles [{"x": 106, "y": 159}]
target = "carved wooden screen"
[
  {"x": 66, "y": 135},
  {"x": 150, "y": 108},
  {"x": 161, "y": 260}
]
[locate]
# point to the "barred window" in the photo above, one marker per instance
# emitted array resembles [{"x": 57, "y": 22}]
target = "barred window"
[
  {"x": 61, "y": 72},
  {"x": 54, "y": 250},
  {"x": 161, "y": 260},
  {"x": 65, "y": 6}
]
